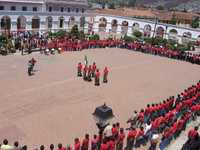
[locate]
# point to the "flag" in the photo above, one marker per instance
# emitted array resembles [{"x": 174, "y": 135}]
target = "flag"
[{"x": 86, "y": 60}]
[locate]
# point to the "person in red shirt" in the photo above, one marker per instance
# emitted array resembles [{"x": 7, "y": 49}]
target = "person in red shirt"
[
  {"x": 104, "y": 145},
  {"x": 131, "y": 138},
  {"x": 120, "y": 140},
  {"x": 85, "y": 143},
  {"x": 180, "y": 126},
  {"x": 77, "y": 144},
  {"x": 89, "y": 76},
  {"x": 118, "y": 127},
  {"x": 33, "y": 61},
  {"x": 105, "y": 75},
  {"x": 97, "y": 78},
  {"x": 114, "y": 131},
  {"x": 79, "y": 69},
  {"x": 141, "y": 117},
  {"x": 139, "y": 137},
  {"x": 111, "y": 143},
  {"x": 193, "y": 133},
  {"x": 94, "y": 67},
  {"x": 85, "y": 69}
]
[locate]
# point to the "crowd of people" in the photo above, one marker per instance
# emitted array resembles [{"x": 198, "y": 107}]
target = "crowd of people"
[
  {"x": 91, "y": 71},
  {"x": 66, "y": 44},
  {"x": 157, "y": 123},
  {"x": 76, "y": 45},
  {"x": 25, "y": 42}
]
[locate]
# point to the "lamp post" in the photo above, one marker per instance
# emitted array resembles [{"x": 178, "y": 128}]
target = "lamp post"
[
  {"x": 102, "y": 116},
  {"x": 156, "y": 22}
]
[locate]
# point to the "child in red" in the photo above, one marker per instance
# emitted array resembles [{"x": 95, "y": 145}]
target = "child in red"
[
  {"x": 85, "y": 69},
  {"x": 79, "y": 69},
  {"x": 94, "y": 67},
  {"x": 89, "y": 76},
  {"x": 97, "y": 76},
  {"x": 105, "y": 75}
]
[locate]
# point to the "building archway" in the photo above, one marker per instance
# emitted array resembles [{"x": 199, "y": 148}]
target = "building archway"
[
  {"x": 160, "y": 32},
  {"x": 35, "y": 23},
  {"x": 71, "y": 22},
  {"x": 147, "y": 30},
  {"x": 21, "y": 23},
  {"x": 173, "y": 35},
  {"x": 49, "y": 22},
  {"x": 6, "y": 24},
  {"x": 124, "y": 28},
  {"x": 136, "y": 27},
  {"x": 187, "y": 37},
  {"x": 114, "y": 25},
  {"x": 61, "y": 22},
  {"x": 102, "y": 24}
]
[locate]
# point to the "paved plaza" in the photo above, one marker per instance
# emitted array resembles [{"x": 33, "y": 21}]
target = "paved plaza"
[{"x": 55, "y": 105}]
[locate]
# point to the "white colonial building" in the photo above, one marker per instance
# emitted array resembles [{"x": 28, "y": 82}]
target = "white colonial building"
[
  {"x": 19, "y": 15},
  {"x": 52, "y": 15},
  {"x": 115, "y": 25}
]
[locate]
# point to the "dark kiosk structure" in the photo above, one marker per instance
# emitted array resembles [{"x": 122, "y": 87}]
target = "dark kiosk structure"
[{"x": 102, "y": 116}]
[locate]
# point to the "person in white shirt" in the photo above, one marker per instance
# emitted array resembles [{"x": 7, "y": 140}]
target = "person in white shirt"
[{"x": 147, "y": 131}]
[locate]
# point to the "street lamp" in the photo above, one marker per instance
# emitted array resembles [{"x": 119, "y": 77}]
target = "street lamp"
[{"x": 102, "y": 116}]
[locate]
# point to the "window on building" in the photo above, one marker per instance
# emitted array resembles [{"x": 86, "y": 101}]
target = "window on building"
[
  {"x": 1, "y": 7},
  {"x": 83, "y": 10},
  {"x": 50, "y": 9},
  {"x": 13, "y": 8},
  {"x": 24, "y": 8},
  {"x": 34, "y": 8},
  {"x": 68, "y": 9},
  {"x": 61, "y": 9},
  {"x": 77, "y": 10},
  {"x": 61, "y": 24}
]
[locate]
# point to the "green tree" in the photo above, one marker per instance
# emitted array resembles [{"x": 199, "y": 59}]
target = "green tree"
[
  {"x": 94, "y": 37},
  {"x": 173, "y": 20},
  {"x": 74, "y": 32},
  {"x": 111, "y": 6},
  {"x": 195, "y": 22},
  {"x": 137, "y": 34},
  {"x": 128, "y": 38},
  {"x": 81, "y": 35},
  {"x": 60, "y": 33}
]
